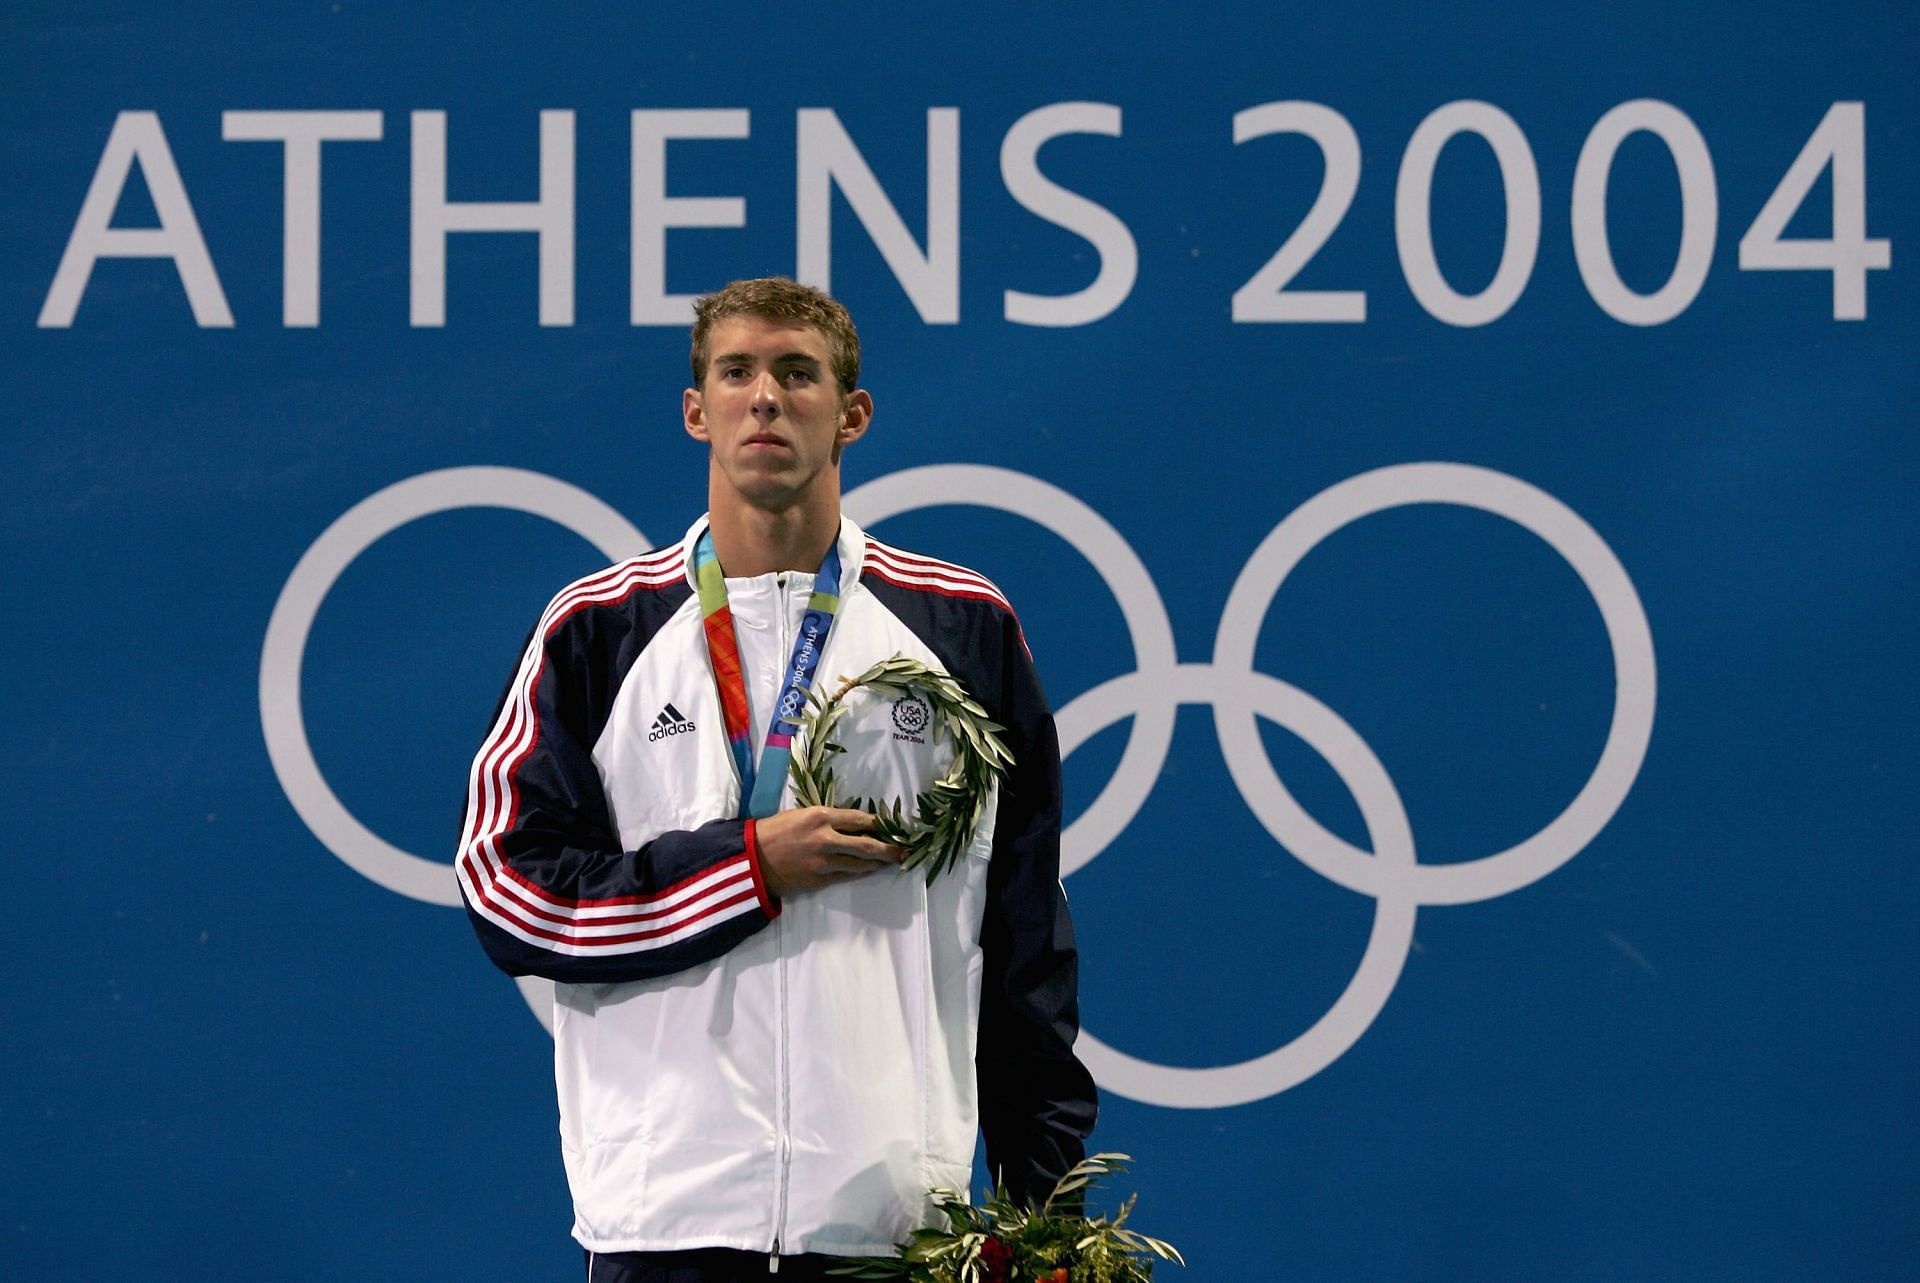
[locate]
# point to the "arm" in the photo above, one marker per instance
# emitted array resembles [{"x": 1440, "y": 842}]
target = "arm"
[
  {"x": 1037, "y": 1101},
  {"x": 547, "y": 886}
]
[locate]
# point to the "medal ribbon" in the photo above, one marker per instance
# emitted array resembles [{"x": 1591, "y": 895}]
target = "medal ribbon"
[{"x": 760, "y": 790}]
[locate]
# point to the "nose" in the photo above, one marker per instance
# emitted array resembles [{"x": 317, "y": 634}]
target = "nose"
[{"x": 766, "y": 396}]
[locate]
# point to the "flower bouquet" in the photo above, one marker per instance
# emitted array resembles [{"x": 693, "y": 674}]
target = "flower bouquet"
[{"x": 1002, "y": 1241}]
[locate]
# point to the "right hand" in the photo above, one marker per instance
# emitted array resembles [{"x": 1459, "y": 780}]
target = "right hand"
[{"x": 817, "y": 846}]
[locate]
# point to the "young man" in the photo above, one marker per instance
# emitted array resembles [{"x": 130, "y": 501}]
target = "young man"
[{"x": 770, "y": 1040}]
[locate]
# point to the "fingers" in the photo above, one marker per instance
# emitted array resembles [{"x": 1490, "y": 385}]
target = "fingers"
[
  {"x": 870, "y": 850},
  {"x": 848, "y": 826},
  {"x": 860, "y": 847},
  {"x": 849, "y": 820}
]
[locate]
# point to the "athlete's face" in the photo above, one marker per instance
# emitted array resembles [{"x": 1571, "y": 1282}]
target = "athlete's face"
[{"x": 772, "y": 412}]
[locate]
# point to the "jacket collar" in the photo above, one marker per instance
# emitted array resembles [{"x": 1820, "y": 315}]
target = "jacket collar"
[{"x": 853, "y": 551}]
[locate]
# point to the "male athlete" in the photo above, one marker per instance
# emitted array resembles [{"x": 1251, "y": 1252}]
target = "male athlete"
[{"x": 771, "y": 1041}]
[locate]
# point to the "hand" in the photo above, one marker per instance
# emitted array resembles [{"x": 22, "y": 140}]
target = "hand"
[{"x": 817, "y": 846}]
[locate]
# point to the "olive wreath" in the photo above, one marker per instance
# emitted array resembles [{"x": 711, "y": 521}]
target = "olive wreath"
[{"x": 947, "y": 813}]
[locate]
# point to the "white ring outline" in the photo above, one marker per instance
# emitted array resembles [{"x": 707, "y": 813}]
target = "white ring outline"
[
  {"x": 284, "y": 650},
  {"x": 1628, "y": 635},
  {"x": 1388, "y": 943}
]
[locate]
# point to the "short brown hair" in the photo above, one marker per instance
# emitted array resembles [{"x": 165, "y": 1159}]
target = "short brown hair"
[{"x": 779, "y": 298}]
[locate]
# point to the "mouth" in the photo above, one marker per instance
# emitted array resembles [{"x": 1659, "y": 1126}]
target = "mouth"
[{"x": 765, "y": 440}]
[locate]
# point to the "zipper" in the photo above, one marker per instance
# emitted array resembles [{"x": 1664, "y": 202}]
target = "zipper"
[
  {"x": 783, "y": 1087},
  {"x": 783, "y": 1093}
]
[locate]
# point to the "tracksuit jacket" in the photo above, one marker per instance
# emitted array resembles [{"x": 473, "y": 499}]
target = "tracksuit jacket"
[{"x": 739, "y": 1071}]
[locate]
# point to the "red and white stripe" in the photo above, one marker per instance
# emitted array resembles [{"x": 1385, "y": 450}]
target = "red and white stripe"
[
  {"x": 911, "y": 570},
  {"x": 510, "y": 900},
  {"x": 930, "y": 574}
]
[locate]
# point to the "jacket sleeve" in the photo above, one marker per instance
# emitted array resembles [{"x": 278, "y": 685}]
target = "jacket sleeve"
[
  {"x": 1037, "y": 1101},
  {"x": 547, "y": 885}
]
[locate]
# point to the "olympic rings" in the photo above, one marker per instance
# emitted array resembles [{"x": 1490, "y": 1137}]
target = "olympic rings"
[{"x": 1151, "y": 696}]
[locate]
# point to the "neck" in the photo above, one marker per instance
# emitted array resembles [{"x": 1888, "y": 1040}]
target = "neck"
[{"x": 758, "y": 541}]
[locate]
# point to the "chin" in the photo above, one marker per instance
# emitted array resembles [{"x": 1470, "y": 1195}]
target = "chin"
[{"x": 768, "y": 498}]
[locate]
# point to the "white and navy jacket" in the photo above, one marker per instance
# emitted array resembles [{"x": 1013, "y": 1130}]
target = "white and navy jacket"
[{"x": 742, "y": 1072}]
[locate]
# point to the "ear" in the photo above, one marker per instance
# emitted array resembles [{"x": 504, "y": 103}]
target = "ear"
[
  {"x": 695, "y": 415},
  {"x": 855, "y": 416}
]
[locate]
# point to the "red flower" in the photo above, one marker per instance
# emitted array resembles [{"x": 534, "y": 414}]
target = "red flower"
[
  {"x": 1059, "y": 1275},
  {"x": 996, "y": 1262}
]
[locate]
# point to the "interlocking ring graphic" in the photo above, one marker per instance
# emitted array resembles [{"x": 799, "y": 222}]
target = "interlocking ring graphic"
[{"x": 1151, "y": 695}]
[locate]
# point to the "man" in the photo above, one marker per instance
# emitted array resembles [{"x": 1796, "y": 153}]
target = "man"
[{"x": 770, "y": 1040}]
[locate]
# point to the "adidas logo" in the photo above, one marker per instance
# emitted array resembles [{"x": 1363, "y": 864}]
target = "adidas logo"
[{"x": 670, "y": 722}]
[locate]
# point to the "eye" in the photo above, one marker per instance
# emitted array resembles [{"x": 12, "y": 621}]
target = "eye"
[{"x": 798, "y": 375}]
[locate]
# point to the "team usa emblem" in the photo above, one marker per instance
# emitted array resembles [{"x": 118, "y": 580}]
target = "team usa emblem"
[{"x": 910, "y": 716}]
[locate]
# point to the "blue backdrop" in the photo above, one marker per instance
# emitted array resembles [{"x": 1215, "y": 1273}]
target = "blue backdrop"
[{"x": 1452, "y": 463}]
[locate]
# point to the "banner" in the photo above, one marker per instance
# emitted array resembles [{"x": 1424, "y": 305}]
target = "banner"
[{"x": 1451, "y": 466}]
